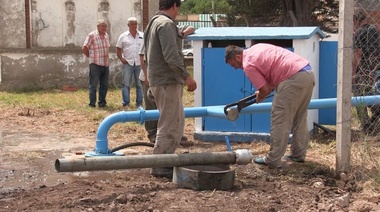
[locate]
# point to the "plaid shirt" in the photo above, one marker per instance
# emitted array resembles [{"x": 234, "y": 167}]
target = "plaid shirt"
[{"x": 98, "y": 48}]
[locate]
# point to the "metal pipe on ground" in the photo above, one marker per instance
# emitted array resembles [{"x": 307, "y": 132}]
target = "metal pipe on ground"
[{"x": 241, "y": 157}]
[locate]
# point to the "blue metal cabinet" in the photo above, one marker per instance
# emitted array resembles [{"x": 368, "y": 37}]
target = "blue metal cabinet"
[
  {"x": 328, "y": 66},
  {"x": 224, "y": 85}
]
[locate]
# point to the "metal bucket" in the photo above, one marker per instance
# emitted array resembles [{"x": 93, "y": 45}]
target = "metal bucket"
[{"x": 204, "y": 177}]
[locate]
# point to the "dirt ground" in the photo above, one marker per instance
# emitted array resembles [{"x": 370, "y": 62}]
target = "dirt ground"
[{"x": 31, "y": 141}]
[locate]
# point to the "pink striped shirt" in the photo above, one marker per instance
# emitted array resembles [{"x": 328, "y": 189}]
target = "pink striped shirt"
[
  {"x": 98, "y": 48},
  {"x": 269, "y": 64}
]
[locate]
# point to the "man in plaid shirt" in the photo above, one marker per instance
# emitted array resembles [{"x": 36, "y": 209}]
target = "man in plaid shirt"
[{"x": 96, "y": 48}]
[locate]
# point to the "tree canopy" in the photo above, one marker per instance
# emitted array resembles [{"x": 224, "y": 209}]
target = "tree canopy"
[
  {"x": 204, "y": 7},
  {"x": 322, "y": 13}
]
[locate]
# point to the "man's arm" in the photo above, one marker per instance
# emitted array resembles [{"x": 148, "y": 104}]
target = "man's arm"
[
  {"x": 262, "y": 93},
  {"x": 187, "y": 31},
  {"x": 85, "y": 51},
  {"x": 168, "y": 36},
  {"x": 119, "y": 53},
  {"x": 143, "y": 68}
]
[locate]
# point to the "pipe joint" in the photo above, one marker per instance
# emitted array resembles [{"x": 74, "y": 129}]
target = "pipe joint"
[
  {"x": 243, "y": 156},
  {"x": 142, "y": 115}
]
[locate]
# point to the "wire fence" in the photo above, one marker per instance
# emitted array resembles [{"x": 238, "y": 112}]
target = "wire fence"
[{"x": 366, "y": 64}]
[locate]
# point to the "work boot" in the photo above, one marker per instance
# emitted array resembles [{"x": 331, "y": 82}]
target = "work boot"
[
  {"x": 291, "y": 158},
  {"x": 166, "y": 172},
  {"x": 152, "y": 138},
  {"x": 185, "y": 142}
]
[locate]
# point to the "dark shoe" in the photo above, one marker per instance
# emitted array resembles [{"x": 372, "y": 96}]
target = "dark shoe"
[
  {"x": 298, "y": 160},
  {"x": 186, "y": 143},
  {"x": 166, "y": 172},
  {"x": 90, "y": 105},
  {"x": 152, "y": 138},
  {"x": 260, "y": 160},
  {"x": 102, "y": 105}
]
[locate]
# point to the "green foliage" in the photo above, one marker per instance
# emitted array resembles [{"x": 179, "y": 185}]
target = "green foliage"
[
  {"x": 322, "y": 13},
  {"x": 252, "y": 12},
  {"x": 204, "y": 7},
  {"x": 326, "y": 15}
]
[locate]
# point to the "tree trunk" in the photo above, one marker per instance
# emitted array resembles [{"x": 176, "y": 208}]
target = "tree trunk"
[{"x": 302, "y": 10}]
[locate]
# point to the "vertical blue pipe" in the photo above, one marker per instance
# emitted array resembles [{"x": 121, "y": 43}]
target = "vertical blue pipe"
[{"x": 228, "y": 144}]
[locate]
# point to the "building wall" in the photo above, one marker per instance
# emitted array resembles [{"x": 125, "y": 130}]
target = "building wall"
[
  {"x": 12, "y": 14},
  {"x": 55, "y": 31},
  {"x": 66, "y": 23}
]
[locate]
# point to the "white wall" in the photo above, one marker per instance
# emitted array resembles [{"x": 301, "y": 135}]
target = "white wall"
[
  {"x": 12, "y": 15},
  {"x": 51, "y": 20},
  {"x": 309, "y": 49}
]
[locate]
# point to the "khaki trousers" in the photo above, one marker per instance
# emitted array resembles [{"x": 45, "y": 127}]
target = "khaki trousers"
[
  {"x": 150, "y": 126},
  {"x": 289, "y": 115},
  {"x": 171, "y": 123}
]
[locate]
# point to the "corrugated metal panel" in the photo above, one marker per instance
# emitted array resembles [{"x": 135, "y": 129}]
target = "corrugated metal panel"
[
  {"x": 206, "y": 17},
  {"x": 196, "y": 24},
  {"x": 204, "y": 21}
]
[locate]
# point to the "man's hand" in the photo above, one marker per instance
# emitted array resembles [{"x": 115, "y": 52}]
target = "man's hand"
[
  {"x": 146, "y": 83},
  {"x": 262, "y": 93},
  {"x": 124, "y": 61},
  {"x": 259, "y": 97},
  {"x": 190, "y": 83}
]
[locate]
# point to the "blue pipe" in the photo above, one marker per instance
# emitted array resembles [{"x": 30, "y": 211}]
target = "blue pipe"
[{"x": 142, "y": 115}]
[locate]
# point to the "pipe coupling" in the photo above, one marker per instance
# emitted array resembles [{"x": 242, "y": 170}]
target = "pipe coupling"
[{"x": 243, "y": 156}]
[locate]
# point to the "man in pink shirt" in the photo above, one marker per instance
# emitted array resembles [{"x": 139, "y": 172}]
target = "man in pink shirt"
[
  {"x": 272, "y": 68},
  {"x": 96, "y": 48}
]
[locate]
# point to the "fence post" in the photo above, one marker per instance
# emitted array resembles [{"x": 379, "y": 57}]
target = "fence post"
[{"x": 343, "y": 122}]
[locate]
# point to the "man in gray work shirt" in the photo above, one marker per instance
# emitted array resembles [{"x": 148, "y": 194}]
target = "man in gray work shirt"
[{"x": 167, "y": 75}]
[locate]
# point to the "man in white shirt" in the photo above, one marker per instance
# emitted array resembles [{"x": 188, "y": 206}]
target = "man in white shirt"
[{"x": 127, "y": 50}]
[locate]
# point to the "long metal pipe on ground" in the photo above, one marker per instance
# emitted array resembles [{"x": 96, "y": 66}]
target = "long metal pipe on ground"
[
  {"x": 241, "y": 157},
  {"x": 142, "y": 115}
]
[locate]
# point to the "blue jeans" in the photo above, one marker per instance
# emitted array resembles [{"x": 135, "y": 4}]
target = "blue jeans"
[
  {"x": 127, "y": 74},
  {"x": 98, "y": 75}
]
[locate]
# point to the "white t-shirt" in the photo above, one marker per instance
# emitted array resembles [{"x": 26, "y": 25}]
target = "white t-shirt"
[{"x": 131, "y": 46}]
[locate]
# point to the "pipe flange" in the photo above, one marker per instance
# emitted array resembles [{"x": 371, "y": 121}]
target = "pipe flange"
[{"x": 243, "y": 156}]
